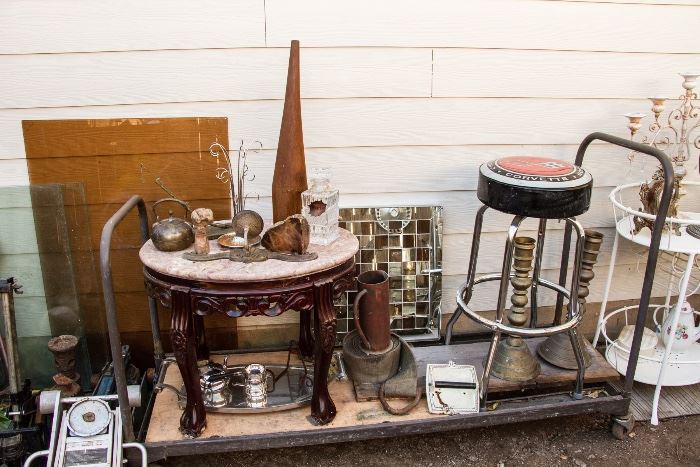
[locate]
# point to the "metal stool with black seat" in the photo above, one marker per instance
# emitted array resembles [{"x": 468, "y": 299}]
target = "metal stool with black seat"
[{"x": 541, "y": 188}]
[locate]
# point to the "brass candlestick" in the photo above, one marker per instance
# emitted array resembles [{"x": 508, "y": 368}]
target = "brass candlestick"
[
  {"x": 513, "y": 360},
  {"x": 557, "y": 349}
]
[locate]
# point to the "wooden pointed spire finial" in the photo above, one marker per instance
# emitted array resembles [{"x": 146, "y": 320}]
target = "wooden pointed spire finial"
[{"x": 289, "y": 179}]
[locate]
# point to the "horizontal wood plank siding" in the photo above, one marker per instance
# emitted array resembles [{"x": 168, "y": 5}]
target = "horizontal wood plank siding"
[
  {"x": 207, "y": 76},
  {"x": 360, "y": 122},
  {"x": 46, "y": 26},
  {"x": 402, "y": 99},
  {"x": 488, "y": 24}
]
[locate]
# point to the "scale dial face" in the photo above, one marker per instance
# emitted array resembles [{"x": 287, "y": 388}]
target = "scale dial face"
[
  {"x": 89, "y": 417},
  {"x": 386, "y": 215}
]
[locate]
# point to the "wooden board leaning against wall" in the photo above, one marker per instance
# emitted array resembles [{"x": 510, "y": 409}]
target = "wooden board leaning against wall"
[{"x": 114, "y": 159}]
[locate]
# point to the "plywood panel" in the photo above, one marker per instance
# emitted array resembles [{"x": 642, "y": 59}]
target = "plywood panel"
[
  {"x": 130, "y": 155},
  {"x": 512, "y": 24},
  {"x": 513, "y": 73},
  {"x": 120, "y": 136},
  {"x": 221, "y": 75},
  {"x": 373, "y": 122},
  {"x": 43, "y": 26}
]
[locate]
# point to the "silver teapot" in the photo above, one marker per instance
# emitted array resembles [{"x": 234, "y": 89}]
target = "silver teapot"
[{"x": 173, "y": 233}]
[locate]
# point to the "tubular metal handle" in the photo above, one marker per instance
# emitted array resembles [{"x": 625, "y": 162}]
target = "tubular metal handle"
[{"x": 356, "y": 313}]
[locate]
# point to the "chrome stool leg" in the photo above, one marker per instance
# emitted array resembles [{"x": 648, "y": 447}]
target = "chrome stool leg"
[
  {"x": 536, "y": 273},
  {"x": 471, "y": 273},
  {"x": 502, "y": 293},
  {"x": 488, "y": 363},
  {"x": 581, "y": 371}
]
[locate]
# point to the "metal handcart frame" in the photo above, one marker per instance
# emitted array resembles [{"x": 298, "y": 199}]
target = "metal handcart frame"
[{"x": 523, "y": 407}]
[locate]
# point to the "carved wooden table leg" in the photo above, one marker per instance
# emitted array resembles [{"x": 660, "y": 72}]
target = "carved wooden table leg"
[
  {"x": 202, "y": 348},
  {"x": 184, "y": 339},
  {"x": 322, "y": 407},
  {"x": 306, "y": 338}
]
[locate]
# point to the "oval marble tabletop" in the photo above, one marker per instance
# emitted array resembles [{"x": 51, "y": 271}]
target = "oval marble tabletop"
[{"x": 224, "y": 270}]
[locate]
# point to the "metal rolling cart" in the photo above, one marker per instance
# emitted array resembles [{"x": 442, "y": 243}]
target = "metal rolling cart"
[{"x": 517, "y": 404}]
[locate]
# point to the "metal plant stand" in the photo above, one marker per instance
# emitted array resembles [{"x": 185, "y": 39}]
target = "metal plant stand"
[
  {"x": 662, "y": 366},
  {"x": 287, "y": 429}
]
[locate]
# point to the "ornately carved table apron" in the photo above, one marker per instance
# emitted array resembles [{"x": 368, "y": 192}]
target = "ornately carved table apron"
[{"x": 194, "y": 290}]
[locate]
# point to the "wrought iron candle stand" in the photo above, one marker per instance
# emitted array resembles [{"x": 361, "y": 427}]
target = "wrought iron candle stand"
[{"x": 236, "y": 175}]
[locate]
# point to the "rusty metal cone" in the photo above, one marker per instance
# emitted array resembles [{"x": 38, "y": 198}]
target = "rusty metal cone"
[
  {"x": 557, "y": 349},
  {"x": 513, "y": 360}
]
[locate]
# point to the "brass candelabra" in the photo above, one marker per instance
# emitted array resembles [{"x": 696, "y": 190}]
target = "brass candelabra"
[{"x": 676, "y": 134}]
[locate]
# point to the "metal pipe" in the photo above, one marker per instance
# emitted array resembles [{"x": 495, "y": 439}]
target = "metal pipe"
[
  {"x": 606, "y": 294},
  {"x": 141, "y": 448},
  {"x": 7, "y": 306},
  {"x": 655, "y": 236},
  {"x": 536, "y": 273},
  {"x": 34, "y": 456},
  {"x": 505, "y": 270},
  {"x": 487, "y": 368},
  {"x": 563, "y": 269},
  {"x": 518, "y": 331},
  {"x": 502, "y": 292},
  {"x": 471, "y": 272},
  {"x": 581, "y": 372},
  {"x": 111, "y": 307}
]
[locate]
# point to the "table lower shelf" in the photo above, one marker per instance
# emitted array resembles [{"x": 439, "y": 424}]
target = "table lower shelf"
[{"x": 364, "y": 420}]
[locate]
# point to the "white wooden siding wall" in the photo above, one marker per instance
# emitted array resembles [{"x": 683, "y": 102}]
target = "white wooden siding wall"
[{"x": 403, "y": 99}]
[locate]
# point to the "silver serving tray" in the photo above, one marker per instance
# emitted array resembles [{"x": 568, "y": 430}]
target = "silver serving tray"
[{"x": 292, "y": 390}]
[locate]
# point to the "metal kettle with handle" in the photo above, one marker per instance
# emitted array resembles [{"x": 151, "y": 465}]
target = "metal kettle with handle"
[{"x": 173, "y": 233}]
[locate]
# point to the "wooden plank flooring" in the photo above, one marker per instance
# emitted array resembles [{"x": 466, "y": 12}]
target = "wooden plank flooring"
[{"x": 674, "y": 402}]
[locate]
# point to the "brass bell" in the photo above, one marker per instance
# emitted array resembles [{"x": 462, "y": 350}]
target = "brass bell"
[{"x": 557, "y": 349}]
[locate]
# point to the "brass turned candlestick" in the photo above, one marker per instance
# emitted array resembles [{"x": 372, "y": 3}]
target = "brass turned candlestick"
[
  {"x": 513, "y": 360},
  {"x": 557, "y": 349}
]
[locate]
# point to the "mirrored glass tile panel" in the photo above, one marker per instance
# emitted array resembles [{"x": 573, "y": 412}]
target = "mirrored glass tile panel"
[{"x": 405, "y": 242}]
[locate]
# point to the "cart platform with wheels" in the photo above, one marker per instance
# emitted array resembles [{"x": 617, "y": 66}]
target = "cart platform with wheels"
[{"x": 549, "y": 395}]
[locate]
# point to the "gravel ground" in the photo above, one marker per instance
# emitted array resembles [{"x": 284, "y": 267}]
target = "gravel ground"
[{"x": 572, "y": 441}]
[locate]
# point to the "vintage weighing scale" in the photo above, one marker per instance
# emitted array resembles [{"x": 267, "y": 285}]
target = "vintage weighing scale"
[{"x": 537, "y": 398}]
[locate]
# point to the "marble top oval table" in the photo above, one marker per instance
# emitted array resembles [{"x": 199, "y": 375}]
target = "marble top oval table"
[{"x": 193, "y": 290}]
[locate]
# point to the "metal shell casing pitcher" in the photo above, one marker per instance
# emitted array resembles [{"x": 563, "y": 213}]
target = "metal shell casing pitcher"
[{"x": 371, "y": 309}]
